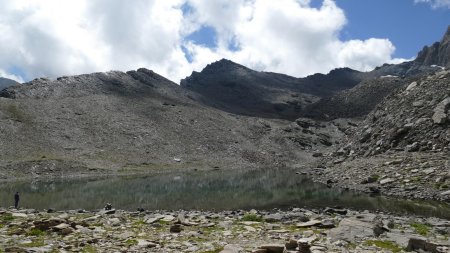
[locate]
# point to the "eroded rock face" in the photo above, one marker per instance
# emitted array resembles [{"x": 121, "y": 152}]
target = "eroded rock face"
[{"x": 437, "y": 54}]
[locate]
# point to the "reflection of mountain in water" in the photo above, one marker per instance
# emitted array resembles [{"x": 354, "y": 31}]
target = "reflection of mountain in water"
[{"x": 214, "y": 190}]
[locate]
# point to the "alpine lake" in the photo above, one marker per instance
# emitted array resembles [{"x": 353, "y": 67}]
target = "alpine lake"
[{"x": 216, "y": 190}]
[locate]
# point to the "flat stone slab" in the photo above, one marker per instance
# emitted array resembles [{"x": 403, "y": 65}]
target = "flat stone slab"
[
  {"x": 308, "y": 224},
  {"x": 351, "y": 228}
]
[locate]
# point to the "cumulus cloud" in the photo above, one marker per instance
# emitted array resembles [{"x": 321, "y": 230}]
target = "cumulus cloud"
[
  {"x": 286, "y": 36},
  {"x": 53, "y": 38},
  {"x": 435, "y": 4}
]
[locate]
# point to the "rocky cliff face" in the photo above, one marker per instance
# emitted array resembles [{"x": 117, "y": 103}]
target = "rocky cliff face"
[{"x": 436, "y": 54}]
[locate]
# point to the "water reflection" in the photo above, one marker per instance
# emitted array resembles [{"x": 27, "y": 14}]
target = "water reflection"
[{"x": 213, "y": 190}]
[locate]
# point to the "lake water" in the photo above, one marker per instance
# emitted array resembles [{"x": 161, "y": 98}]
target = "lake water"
[{"x": 212, "y": 190}]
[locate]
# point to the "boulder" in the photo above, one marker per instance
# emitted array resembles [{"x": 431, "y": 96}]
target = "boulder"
[
  {"x": 387, "y": 181},
  {"x": 308, "y": 224},
  {"x": 45, "y": 225},
  {"x": 349, "y": 229},
  {"x": 422, "y": 244},
  {"x": 291, "y": 244},
  {"x": 176, "y": 228},
  {"x": 273, "y": 248},
  {"x": 230, "y": 248},
  {"x": 440, "y": 112},
  {"x": 146, "y": 244}
]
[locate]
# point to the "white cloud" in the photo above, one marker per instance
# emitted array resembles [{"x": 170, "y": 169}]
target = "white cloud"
[
  {"x": 11, "y": 76},
  {"x": 54, "y": 38},
  {"x": 286, "y": 36},
  {"x": 435, "y": 4}
]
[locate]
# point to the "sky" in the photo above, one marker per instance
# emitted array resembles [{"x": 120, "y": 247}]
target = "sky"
[{"x": 52, "y": 38}]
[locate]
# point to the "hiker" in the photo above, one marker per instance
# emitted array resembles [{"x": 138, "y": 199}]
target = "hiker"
[{"x": 16, "y": 200}]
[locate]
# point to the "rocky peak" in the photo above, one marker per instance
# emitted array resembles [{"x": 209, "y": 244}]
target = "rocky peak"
[
  {"x": 222, "y": 65},
  {"x": 436, "y": 54}
]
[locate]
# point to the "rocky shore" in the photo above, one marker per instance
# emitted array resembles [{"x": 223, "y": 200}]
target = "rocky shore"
[{"x": 296, "y": 230}]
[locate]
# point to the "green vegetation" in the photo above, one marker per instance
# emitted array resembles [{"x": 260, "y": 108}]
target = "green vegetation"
[
  {"x": 421, "y": 229},
  {"x": 384, "y": 245},
  {"x": 163, "y": 222},
  {"x": 34, "y": 243},
  {"x": 89, "y": 249},
  {"x": 416, "y": 179},
  {"x": 252, "y": 217},
  {"x": 7, "y": 217},
  {"x": 217, "y": 250},
  {"x": 139, "y": 223},
  {"x": 35, "y": 232},
  {"x": 375, "y": 177},
  {"x": 131, "y": 242}
]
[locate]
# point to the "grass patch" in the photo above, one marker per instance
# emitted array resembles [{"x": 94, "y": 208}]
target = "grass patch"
[
  {"x": 384, "y": 245},
  {"x": 213, "y": 251},
  {"x": 35, "y": 232},
  {"x": 7, "y": 217},
  {"x": 416, "y": 179},
  {"x": 34, "y": 243},
  {"x": 89, "y": 249},
  {"x": 252, "y": 217},
  {"x": 421, "y": 229},
  {"x": 163, "y": 222},
  {"x": 138, "y": 223},
  {"x": 131, "y": 242}
]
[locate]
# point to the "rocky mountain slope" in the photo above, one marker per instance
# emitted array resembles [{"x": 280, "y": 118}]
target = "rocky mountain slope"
[
  {"x": 379, "y": 83},
  {"x": 5, "y": 83},
  {"x": 231, "y": 87},
  {"x": 403, "y": 146},
  {"x": 133, "y": 122},
  {"x": 234, "y": 88}
]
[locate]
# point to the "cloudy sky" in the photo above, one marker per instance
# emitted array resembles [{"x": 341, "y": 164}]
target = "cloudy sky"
[{"x": 175, "y": 37}]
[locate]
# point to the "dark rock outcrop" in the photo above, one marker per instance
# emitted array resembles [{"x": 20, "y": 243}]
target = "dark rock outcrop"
[
  {"x": 5, "y": 83},
  {"x": 237, "y": 89},
  {"x": 436, "y": 54}
]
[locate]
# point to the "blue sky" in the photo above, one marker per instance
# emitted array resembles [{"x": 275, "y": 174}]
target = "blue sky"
[
  {"x": 409, "y": 25},
  {"x": 53, "y": 38}
]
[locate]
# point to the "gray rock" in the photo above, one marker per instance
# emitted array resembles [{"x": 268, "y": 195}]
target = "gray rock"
[
  {"x": 349, "y": 229},
  {"x": 411, "y": 86},
  {"x": 387, "y": 181},
  {"x": 422, "y": 244},
  {"x": 176, "y": 228},
  {"x": 230, "y": 248},
  {"x": 308, "y": 224},
  {"x": 440, "y": 112},
  {"x": 445, "y": 193},
  {"x": 273, "y": 248}
]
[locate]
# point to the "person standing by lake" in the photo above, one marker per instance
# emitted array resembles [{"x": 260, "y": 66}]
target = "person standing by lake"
[{"x": 16, "y": 200}]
